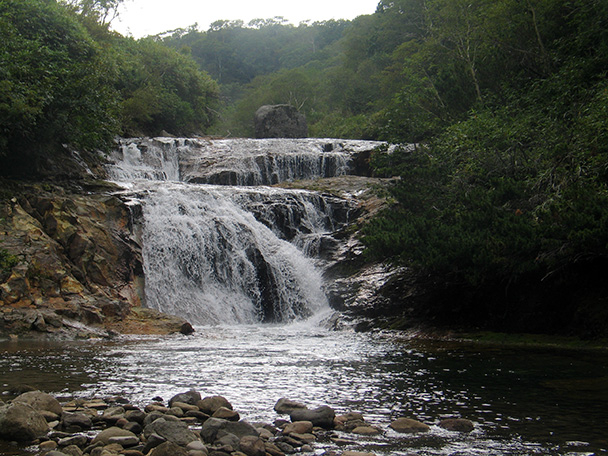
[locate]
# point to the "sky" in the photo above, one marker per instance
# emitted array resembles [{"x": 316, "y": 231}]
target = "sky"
[{"x": 139, "y": 18}]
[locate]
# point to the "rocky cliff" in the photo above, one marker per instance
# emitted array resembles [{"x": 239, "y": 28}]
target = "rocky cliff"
[{"x": 71, "y": 265}]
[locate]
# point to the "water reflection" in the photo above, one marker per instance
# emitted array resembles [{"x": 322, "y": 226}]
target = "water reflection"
[{"x": 523, "y": 401}]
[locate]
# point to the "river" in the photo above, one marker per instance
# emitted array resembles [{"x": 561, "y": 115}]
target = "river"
[{"x": 523, "y": 401}]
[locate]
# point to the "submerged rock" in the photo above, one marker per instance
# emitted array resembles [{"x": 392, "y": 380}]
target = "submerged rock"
[{"x": 457, "y": 424}]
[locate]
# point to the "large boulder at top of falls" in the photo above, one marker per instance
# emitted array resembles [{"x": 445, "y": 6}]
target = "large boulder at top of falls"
[{"x": 280, "y": 121}]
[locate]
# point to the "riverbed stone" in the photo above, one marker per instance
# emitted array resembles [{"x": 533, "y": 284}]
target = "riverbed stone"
[
  {"x": 357, "y": 453},
  {"x": 457, "y": 424},
  {"x": 226, "y": 414},
  {"x": 252, "y": 446},
  {"x": 78, "y": 440},
  {"x": 72, "y": 450},
  {"x": 322, "y": 416},
  {"x": 366, "y": 430},
  {"x": 174, "y": 431},
  {"x": 189, "y": 397},
  {"x": 285, "y": 406},
  {"x": 135, "y": 415},
  {"x": 211, "y": 404},
  {"x": 105, "y": 435},
  {"x": 408, "y": 426},
  {"x": 212, "y": 427},
  {"x": 298, "y": 427},
  {"x": 41, "y": 402},
  {"x": 21, "y": 422}
]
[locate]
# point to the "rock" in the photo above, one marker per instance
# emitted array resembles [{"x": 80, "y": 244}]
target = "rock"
[
  {"x": 197, "y": 445},
  {"x": 72, "y": 450},
  {"x": 356, "y": 453},
  {"x": 56, "y": 453},
  {"x": 21, "y": 422},
  {"x": 48, "y": 445},
  {"x": 322, "y": 416},
  {"x": 173, "y": 431},
  {"x": 298, "y": 427},
  {"x": 213, "y": 426},
  {"x": 226, "y": 414},
  {"x": 135, "y": 415},
  {"x": 105, "y": 435},
  {"x": 252, "y": 446},
  {"x": 184, "y": 406},
  {"x": 408, "y": 425},
  {"x": 279, "y": 121},
  {"x": 153, "y": 441},
  {"x": 286, "y": 406},
  {"x": 209, "y": 405},
  {"x": 133, "y": 427},
  {"x": 169, "y": 449},
  {"x": 457, "y": 424},
  {"x": 113, "y": 414},
  {"x": 40, "y": 401},
  {"x": 189, "y": 397},
  {"x": 305, "y": 438},
  {"x": 273, "y": 450},
  {"x": 75, "y": 421},
  {"x": 77, "y": 440},
  {"x": 126, "y": 441},
  {"x": 366, "y": 430}
]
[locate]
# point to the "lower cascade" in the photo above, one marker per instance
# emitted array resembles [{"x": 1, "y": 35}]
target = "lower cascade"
[{"x": 230, "y": 254}]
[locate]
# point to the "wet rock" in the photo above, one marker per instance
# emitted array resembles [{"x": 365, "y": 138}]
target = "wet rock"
[
  {"x": 135, "y": 415},
  {"x": 77, "y": 440},
  {"x": 366, "y": 430},
  {"x": 322, "y": 416},
  {"x": 105, "y": 435},
  {"x": 273, "y": 450},
  {"x": 408, "y": 426},
  {"x": 356, "y": 453},
  {"x": 197, "y": 445},
  {"x": 226, "y": 414},
  {"x": 21, "y": 422},
  {"x": 252, "y": 446},
  {"x": 173, "y": 431},
  {"x": 72, "y": 450},
  {"x": 211, "y": 404},
  {"x": 279, "y": 121},
  {"x": 56, "y": 453},
  {"x": 298, "y": 427},
  {"x": 286, "y": 406},
  {"x": 40, "y": 401},
  {"x": 184, "y": 406},
  {"x": 126, "y": 441},
  {"x": 457, "y": 424},
  {"x": 113, "y": 414},
  {"x": 211, "y": 428},
  {"x": 189, "y": 397},
  {"x": 152, "y": 441},
  {"x": 77, "y": 421}
]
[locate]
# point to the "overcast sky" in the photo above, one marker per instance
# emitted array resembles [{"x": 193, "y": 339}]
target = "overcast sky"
[{"x": 149, "y": 17}]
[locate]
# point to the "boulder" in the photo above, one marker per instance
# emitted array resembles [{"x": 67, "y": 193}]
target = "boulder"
[
  {"x": 213, "y": 426},
  {"x": 366, "y": 430},
  {"x": 280, "y": 121},
  {"x": 189, "y": 397},
  {"x": 78, "y": 421},
  {"x": 40, "y": 401},
  {"x": 174, "y": 431},
  {"x": 168, "y": 449},
  {"x": 210, "y": 404},
  {"x": 105, "y": 435},
  {"x": 252, "y": 446},
  {"x": 408, "y": 426},
  {"x": 226, "y": 414},
  {"x": 322, "y": 416},
  {"x": 298, "y": 427},
  {"x": 21, "y": 422},
  {"x": 286, "y": 406},
  {"x": 457, "y": 424}
]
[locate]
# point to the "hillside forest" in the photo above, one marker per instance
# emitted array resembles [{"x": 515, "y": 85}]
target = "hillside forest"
[{"x": 502, "y": 207}]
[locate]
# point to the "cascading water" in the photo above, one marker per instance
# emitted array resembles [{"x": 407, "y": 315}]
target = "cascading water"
[{"x": 225, "y": 254}]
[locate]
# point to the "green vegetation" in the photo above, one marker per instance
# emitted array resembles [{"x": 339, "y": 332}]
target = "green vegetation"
[{"x": 65, "y": 79}]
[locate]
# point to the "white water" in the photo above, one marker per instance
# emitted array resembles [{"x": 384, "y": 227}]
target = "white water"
[{"x": 221, "y": 254}]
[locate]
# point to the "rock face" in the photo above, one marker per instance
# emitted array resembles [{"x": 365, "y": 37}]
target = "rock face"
[
  {"x": 77, "y": 269},
  {"x": 280, "y": 121}
]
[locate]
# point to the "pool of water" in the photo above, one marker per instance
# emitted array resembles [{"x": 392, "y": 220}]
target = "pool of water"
[{"x": 523, "y": 401}]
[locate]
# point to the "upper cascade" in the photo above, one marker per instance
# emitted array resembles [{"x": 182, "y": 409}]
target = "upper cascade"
[{"x": 242, "y": 162}]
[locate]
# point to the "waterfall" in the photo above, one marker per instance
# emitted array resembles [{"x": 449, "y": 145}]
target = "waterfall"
[{"x": 226, "y": 253}]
